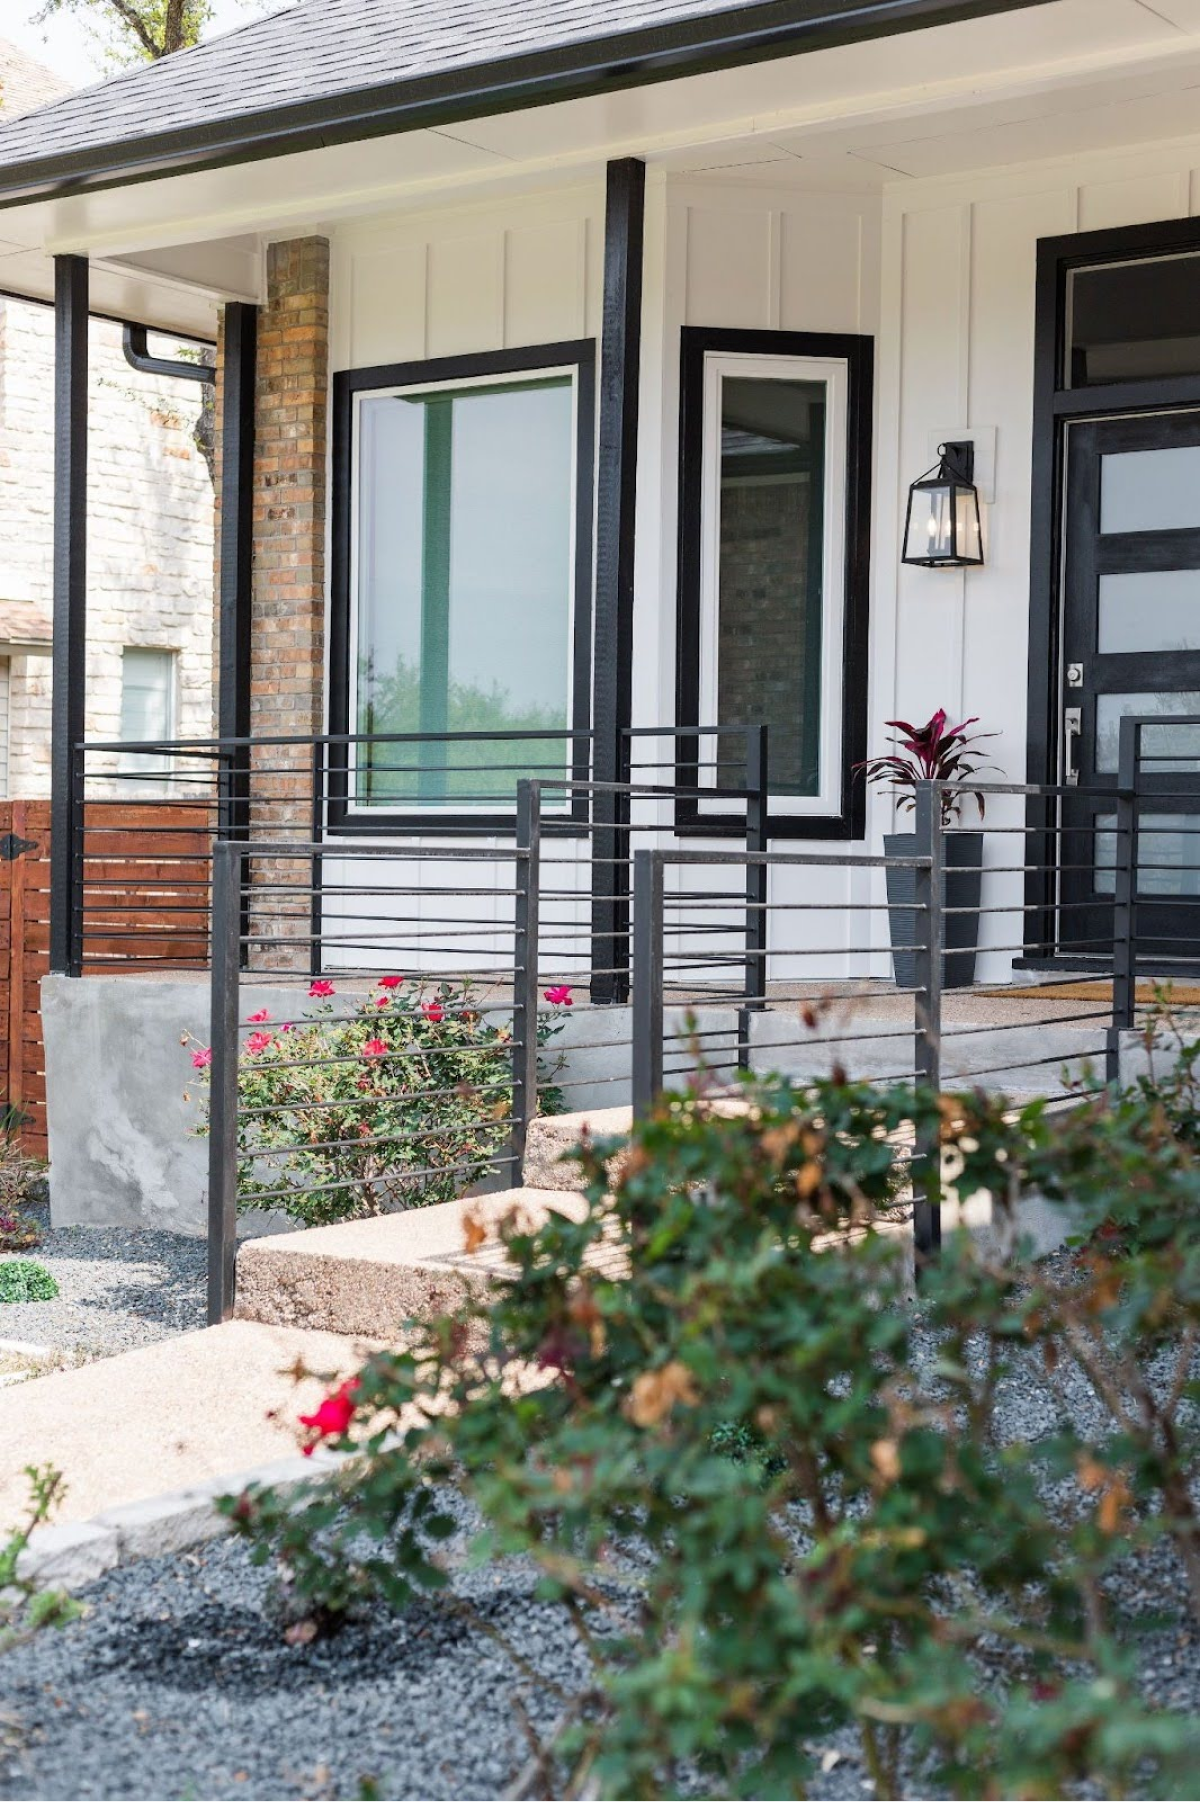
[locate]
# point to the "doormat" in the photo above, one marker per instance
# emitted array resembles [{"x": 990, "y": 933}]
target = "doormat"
[{"x": 1183, "y": 994}]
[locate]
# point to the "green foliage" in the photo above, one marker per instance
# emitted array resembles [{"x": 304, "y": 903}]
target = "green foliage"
[
  {"x": 779, "y": 1497},
  {"x": 141, "y": 30},
  {"x": 399, "y": 1098},
  {"x": 23, "y": 1279},
  {"x": 24, "y": 1608}
]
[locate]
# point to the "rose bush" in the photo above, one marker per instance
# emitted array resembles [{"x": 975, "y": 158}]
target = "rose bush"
[
  {"x": 780, "y": 1499},
  {"x": 367, "y": 1103}
]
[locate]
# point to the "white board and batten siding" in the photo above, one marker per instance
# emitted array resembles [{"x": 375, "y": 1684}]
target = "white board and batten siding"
[
  {"x": 744, "y": 256},
  {"x": 957, "y": 349},
  {"x": 420, "y": 285}
]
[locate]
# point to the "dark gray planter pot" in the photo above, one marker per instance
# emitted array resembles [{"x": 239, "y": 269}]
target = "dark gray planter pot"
[{"x": 962, "y": 886}]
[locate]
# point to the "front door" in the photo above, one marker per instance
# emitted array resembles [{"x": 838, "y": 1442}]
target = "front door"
[{"x": 1131, "y": 645}]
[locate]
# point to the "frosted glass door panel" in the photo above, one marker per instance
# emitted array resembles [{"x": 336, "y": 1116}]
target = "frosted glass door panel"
[
  {"x": 1152, "y": 610},
  {"x": 1167, "y": 748},
  {"x": 1150, "y": 490},
  {"x": 1168, "y": 854}
]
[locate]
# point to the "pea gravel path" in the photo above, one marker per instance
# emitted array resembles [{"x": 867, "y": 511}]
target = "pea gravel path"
[{"x": 119, "y": 1288}]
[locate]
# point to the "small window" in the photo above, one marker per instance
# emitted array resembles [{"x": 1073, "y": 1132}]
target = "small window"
[
  {"x": 772, "y": 583},
  {"x": 148, "y": 704},
  {"x": 469, "y": 582},
  {"x": 1133, "y": 321}
]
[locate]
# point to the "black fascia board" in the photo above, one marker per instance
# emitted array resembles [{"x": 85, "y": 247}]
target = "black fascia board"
[{"x": 743, "y": 35}]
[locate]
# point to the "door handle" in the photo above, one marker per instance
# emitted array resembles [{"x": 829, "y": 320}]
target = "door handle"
[{"x": 1072, "y": 734}]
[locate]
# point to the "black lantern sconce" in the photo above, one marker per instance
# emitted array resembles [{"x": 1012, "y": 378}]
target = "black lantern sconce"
[{"x": 943, "y": 528}]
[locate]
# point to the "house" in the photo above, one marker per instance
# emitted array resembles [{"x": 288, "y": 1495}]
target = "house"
[
  {"x": 150, "y": 641},
  {"x": 576, "y": 368}
]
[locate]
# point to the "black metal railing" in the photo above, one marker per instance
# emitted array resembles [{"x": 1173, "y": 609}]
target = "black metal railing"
[{"x": 145, "y": 817}]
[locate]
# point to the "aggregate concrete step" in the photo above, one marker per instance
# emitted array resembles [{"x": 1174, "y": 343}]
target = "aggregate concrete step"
[
  {"x": 369, "y": 1276},
  {"x": 552, "y": 1138},
  {"x": 171, "y": 1416}
]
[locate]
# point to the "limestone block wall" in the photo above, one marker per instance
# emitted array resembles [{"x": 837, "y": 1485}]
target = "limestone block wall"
[{"x": 150, "y": 522}]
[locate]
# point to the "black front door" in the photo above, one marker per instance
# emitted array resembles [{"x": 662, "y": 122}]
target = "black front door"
[{"x": 1131, "y": 645}]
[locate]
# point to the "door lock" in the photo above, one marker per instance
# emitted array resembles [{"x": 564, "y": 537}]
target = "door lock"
[
  {"x": 1074, "y": 675},
  {"x": 1072, "y": 733}
]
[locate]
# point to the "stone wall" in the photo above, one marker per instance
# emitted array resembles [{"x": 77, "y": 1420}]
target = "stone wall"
[{"x": 150, "y": 531}]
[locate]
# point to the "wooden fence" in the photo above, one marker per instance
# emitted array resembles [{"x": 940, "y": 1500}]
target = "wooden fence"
[
  {"x": 146, "y": 874},
  {"x": 24, "y": 959}
]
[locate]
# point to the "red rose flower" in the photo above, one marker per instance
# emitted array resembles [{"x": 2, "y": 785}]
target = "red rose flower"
[
  {"x": 375, "y": 1048},
  {"x": 333, "y": 1415},
  {"x": 202, "y": 1059},
  {"x": 321, "y": 989},
  {"x": 433, "y": 1011},
  {"x": 559, "y": 995},
  {"x": 258, "y": 1041},
  {"x": 390, "y": 982}
]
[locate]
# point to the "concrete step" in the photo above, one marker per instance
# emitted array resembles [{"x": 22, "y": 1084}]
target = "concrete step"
[
  {"x": 551, "y": 1139},
  {"x": 368, "y": 1276},
  {"x": 170, "y": 1416}
]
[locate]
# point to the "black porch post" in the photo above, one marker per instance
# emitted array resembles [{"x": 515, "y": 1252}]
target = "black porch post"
[
  {"x": 70, "y": 601},
  {"x": 616, "y": 503},
  {"x": 237, "y": 519}
]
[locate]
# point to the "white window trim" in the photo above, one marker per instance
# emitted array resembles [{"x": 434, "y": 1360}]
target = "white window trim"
[
  {"x": 366, "y": 810},
  {"x": 835, "y": 373}
]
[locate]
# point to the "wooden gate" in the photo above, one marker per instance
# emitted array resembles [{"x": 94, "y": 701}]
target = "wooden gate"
[
  {"x": 146, "y": 870},
  {"x": 24, "y": 960}
]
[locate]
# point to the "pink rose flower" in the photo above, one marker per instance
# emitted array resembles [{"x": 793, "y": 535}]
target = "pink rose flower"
[
  {"x": 202, "y": 1059},
  {"x": 258, "y": 1041},
  {"x": 375, "y": 1048},
  {"x": 559, "y": 995},
  {"x": 320, "y": 990},
  {"x": 263, "y": 1014}
]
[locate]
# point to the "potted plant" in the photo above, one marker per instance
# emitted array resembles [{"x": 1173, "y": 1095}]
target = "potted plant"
[{"x": 934, "y": 752}]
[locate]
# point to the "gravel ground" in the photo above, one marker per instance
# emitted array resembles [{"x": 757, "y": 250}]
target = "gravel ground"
[
  {"x": 118, "y": 1288},
  {"x": 179, "y": 1682}
]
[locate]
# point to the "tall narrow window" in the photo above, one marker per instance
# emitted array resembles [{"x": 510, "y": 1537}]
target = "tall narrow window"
[
  {"x": 148, "y": 713},
  {"x": 772, "y": 578},
  {"x": 468, "y": 613}
]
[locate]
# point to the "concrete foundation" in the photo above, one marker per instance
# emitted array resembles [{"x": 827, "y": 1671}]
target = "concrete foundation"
[{"x": 124, "y": 1104}]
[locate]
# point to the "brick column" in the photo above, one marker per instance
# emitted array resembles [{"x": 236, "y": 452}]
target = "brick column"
[{"x": 288, "y": 594}]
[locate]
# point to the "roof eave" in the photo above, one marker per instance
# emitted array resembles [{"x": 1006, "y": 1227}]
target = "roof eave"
[{"x": 756, "y": 33}]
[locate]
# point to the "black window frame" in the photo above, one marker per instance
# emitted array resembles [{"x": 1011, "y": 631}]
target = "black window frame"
[
  {"x": 578, "y": 354},
  {"x": 858, "y": 353}
]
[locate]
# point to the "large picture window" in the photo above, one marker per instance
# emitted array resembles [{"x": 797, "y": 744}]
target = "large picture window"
[
  {"x": 464, "y": 591},
  {"x": 773, "y": 563}
]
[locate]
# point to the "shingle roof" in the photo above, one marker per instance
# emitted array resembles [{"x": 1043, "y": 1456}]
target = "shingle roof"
[{"x": 343, "y": 69}]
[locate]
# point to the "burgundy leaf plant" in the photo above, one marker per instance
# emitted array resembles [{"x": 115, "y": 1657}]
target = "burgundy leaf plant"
[{"x": 934, "y": 752}]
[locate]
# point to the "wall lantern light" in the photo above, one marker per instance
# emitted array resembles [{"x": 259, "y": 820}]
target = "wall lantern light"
[{"x": 942, "y": 530}]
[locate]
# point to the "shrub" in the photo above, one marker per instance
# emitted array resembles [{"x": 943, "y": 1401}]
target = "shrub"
[
  {"x": 779, "y": 1499},
  {"x": 24, "y": 1607},
  {"x": 22, "y": 1279},
  {"x": 395, "y": 1099}
]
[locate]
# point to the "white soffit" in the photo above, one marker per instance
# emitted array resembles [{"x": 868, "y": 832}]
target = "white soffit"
[{"x": 1071, "y": 75}]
